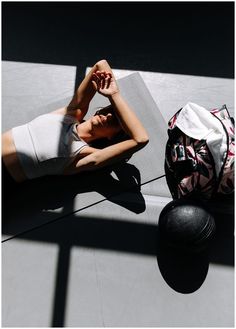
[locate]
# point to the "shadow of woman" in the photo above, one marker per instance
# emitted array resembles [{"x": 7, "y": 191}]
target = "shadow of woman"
[{"x": 31, "y": 203}]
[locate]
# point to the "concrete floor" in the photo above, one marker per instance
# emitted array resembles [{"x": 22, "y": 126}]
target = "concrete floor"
[
  {"x": 85, "y": 255},
  {"x": 88, "y": 257}
]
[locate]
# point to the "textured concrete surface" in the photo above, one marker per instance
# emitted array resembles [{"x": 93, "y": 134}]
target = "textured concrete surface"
[
  {"x": 173, "y": 91},
  {"x": 90, "y": 188},
  {"x": 96, "y": 263}
]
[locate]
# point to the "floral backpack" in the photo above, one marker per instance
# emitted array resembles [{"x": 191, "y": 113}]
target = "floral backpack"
[{"x": 189, "y": 165}]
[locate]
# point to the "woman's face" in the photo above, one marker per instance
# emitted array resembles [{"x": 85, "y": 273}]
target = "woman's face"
[{"x": 104, "y": 125}]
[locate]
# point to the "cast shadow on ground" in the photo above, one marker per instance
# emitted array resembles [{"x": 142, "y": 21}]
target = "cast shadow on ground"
[
  {"x": 31, "y": 211},
  {"x": 125, "y": 236},
  {"x": 185, "y": 272},
  {"x": 75, "y": 229},
  {"x": 50, "y": 198}
]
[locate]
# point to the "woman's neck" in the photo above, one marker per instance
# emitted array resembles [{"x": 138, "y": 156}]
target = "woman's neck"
[{"x": 84, "y": 131}]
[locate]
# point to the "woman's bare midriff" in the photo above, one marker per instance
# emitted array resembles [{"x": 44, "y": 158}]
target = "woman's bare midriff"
[{"x": 10, "y": 158}]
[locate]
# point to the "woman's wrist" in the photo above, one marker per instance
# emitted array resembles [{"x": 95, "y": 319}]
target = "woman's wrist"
[{"x": 114, "y": 95}]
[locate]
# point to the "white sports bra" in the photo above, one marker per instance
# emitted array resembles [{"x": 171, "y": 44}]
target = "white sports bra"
[{"x": 47, "y": 144}]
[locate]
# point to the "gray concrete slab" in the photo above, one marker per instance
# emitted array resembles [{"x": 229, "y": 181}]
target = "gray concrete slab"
[
  {"x": 98, "y": 263},
  {"x": 28, "y": 280},
  {"x": 66, "y": 195},
  {"x": 173, "y": 91},
  {"x": 30, "y": 89},
  {"x": 103, "y": 270}
]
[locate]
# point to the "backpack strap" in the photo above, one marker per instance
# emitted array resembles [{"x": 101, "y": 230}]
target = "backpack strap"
[{"x": 226, "y": 177}]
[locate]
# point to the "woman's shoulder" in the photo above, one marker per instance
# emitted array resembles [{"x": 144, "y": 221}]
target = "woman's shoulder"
[
  {"x": 56, "y": 117},
  {"x": 71, "y": 168}
]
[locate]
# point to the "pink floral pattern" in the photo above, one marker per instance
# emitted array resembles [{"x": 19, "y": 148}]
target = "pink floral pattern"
[{"x": 201, "y": 177}]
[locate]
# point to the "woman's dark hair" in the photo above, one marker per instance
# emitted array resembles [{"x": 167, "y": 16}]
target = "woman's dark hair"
[
  {"x": 119, "y": 137},
  {"x": 108, "y": 109}
]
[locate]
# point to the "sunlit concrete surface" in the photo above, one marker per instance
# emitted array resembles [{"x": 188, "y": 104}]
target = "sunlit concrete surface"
[
  {"x": 173, "y": 91},
  {"x": 86, "y": 256}
]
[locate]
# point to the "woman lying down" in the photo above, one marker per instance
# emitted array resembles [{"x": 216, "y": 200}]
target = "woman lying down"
[{"x": 60, "y": 142}]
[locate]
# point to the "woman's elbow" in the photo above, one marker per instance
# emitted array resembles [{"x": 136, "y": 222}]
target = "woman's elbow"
[
  {"x": 101, "y": 64},
  {"x": 102, "y": 61},
  {"x": 142, "y": 140},
  {"x": 87, "y": 163}
]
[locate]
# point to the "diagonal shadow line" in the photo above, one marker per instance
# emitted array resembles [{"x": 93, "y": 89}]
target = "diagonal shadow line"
[
  {"x": 113, "y": 235},
  {"x": 122, "y": 235},
  {"x": 105, "y": 234},
  {"x": 64, "y": 258},
  {"x": 74, "y": 212},
  {"x": 61, "y": 283}
]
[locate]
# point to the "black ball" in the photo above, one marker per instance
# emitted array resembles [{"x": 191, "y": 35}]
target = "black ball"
[{"x": 186, "y": 225}]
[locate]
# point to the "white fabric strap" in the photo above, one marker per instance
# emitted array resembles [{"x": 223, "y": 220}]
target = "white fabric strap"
[{"x": 196, "y": 122}]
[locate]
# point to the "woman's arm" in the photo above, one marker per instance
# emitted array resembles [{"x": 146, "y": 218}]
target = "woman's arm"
[
  {"x": 107, "y": 156},
  {"x": 79, "y": 104},
  {"x": 106, "y": 85},
  {"x": 128, "y": 119}
]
